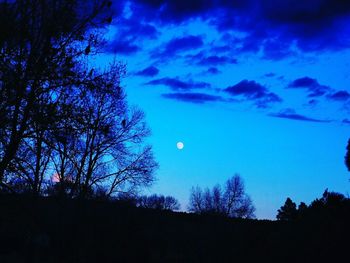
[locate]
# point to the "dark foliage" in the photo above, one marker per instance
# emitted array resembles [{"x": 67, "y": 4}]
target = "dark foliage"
[
  {"x": 159, "y": 202},
  {"x": 288, "y": 211},
  {"x": 330, "y": 205}
]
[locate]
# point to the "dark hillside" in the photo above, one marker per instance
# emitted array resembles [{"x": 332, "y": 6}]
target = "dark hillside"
[{"x": 51, "y": 230}]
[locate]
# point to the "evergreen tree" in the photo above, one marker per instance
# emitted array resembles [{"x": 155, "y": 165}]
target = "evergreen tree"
[{"x": 288, "y": 211}]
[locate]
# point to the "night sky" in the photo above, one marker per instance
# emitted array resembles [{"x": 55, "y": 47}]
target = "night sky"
[{"x": 255, "y": 87}]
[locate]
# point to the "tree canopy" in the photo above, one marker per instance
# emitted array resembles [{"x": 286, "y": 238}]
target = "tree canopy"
[
  {"x": 288, "y": 211},
  {"x": 65, "y": 124}
]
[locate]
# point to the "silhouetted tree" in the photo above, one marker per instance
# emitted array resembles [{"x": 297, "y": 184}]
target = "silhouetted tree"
[
  {"x": 232, "y": 202},
  {"x": 217, "y": 199},
  {"x": 32, "y": 161},
  {"x": 288, "y": 211},
  {"x": 347, "y": 156},
  {"x": 208, "y": 201},
  {"x": 196, "y": 203},
  {"x": 302, "y": 209},
  {"x": 60, "y": 117},
  {"x": 159, "y": 202},
  {"x": 331, "y": 203},
  {"x": 42, "y": 47},
  {"x": 104, "y": 152},
  {"x": 237, "y": 202}
]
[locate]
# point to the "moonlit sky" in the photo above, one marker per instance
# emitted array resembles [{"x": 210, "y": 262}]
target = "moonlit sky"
[{"x": 259, "y": 88}]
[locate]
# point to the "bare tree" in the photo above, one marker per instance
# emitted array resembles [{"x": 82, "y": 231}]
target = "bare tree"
[
  {"x": 107, "y": 149},
  {"x": 245, "y": 209},
  {"x": 208, "y": 200},
  {"x": 234, "y": 195},
  {"x": 42, "y": 46},
  {"x": 196, "y": 203},
  {"x": 232, "y": 202},
  {"x": 217, "y": 197},
  {"x": 59, "y": 116}
]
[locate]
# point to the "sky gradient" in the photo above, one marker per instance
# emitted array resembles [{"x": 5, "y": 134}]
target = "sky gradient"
[{"x": 259, "y": 88}]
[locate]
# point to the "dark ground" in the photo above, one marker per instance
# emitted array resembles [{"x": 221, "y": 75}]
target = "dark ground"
[{"x": 50, "y": 230}]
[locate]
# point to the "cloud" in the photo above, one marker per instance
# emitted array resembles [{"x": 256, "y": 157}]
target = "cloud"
[
  {"x": 176, "y": 11},
  {"x": 276, "y": 49},
  {"x": 150, "y": 71},
  {"x": 216, "y": 60},
  {"x": 220, "y": 49},
  {"x": 254, "y": 91},
  {"x": 177, "y": 84},
  {"x": 341, "y": 95},
  {"x": 314, "y": 88},
  {"x": 270, "y": 75},
  {"x": 213, "y": 71},
  {"x": 346, "y": 121},
  {"x": 184, "y": 43},
  {"x": 192, "y": 97},
  {"x": 312, "y": 102},
  {"x": 212, "y": 60},
  {"x": 269, "y": 26},
  {"x": 210, "y": 71},
  {"x": 292, "y": 115},
  {"x": 129, "y": 32},
  {"x": 309, "y": 25},
  {"x": 178, "y": 45},
  {"x": 136, "y": 29}
]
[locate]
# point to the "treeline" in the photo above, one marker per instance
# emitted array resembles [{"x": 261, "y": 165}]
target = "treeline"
[
  {"x": 66, "y": 128},
  {"x": 229, "y": 200},
  {"x": 80, "y": 230},
  {"x": 331, "y": 206},
  {"x": 154, "y": 201}
]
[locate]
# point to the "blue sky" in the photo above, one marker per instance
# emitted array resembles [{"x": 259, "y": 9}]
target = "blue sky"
[{"x": 259, "y": 88}]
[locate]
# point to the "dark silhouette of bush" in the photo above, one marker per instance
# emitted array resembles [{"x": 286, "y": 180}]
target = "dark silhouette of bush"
[
  {"x": 159, "y": 202},
  {"x": 65, "y": 189}
]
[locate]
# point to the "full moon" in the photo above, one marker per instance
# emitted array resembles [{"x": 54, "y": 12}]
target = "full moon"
[{"x": 180, "y": 145}]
